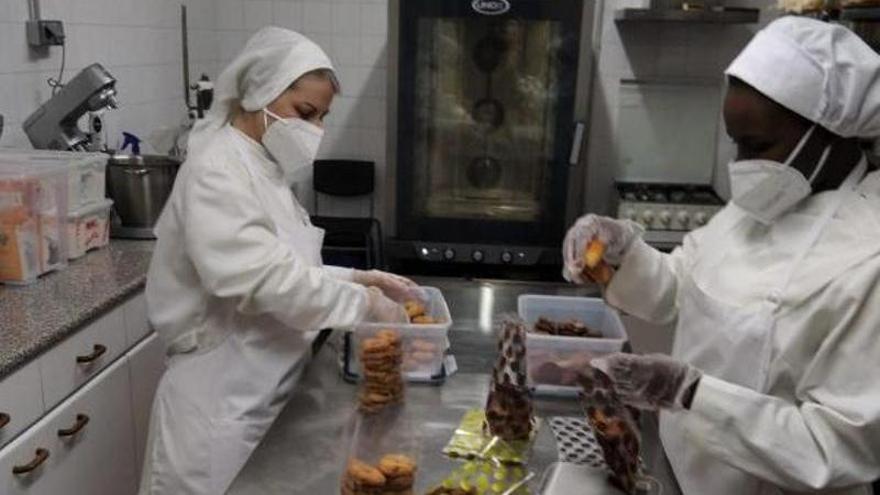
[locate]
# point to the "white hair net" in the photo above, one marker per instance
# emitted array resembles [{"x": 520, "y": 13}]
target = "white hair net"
[
  {"x": 823, "y": 72},
  {"x": 270, "y": 62}
]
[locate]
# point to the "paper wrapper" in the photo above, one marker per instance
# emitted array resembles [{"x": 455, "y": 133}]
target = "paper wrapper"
[
  {"x": 471, "y": 441},
  {"x": 509, "y": 405},
  {"x": 615, "y": 427},
  {"x": 487, "y": 478}
]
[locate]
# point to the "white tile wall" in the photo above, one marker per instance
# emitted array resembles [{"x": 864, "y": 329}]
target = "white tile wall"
[{"x": 138, "y": 41}]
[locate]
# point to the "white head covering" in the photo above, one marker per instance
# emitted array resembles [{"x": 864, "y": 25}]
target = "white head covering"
[
  {"x": 270, "y": 62},
  {"x": 821, "y": 71}
]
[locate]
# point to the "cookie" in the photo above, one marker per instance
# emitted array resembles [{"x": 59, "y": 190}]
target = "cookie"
[
  {"x": 393, "y": 465},
  {"x": 423, "y": 320},
  {"x": 389, "y": 335},
  {"x": 414, "y": 309},
  {"x": 362, "y": 474}
]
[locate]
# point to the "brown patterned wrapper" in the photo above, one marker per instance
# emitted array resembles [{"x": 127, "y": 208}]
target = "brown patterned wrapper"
[
  {"x": 509, "y": 412},
  {"x": 615, "y": 427}
]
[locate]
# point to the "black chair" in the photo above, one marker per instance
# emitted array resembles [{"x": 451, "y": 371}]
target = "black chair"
[{"x": 348, "y": 238}]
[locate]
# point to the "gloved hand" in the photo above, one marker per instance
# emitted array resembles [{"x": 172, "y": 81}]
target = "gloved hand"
[
  {"x": 400, "y": 289},
  {"x": 650, "y": 382},
  {"x": 384, "y": 310},
  {"x": 617, "y": 235}
]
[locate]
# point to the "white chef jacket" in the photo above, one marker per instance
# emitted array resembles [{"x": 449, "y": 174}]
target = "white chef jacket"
[{"x": 816, "y": 426}]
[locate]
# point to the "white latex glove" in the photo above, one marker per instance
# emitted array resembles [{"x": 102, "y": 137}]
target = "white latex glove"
[
  {"x": 650, "y": 382},
  {"x": 617, "y": 235},
  {"x": 384, "y": 310},
  {"x": 400, "y": 289}
]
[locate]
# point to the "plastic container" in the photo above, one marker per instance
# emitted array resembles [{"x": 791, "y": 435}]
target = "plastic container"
[
  {"x": 424, "y": 346},
  {"x": 88, "y": 229},
  {"x": 547, "y": 355},
  {"x": 86, "y": 172},
  {"x": 33, "y": 214}
]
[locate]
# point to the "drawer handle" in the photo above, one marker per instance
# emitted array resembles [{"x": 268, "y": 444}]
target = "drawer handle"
[
  {"x": 98, "y": 351},
  {"x": 81, "y": 421},
  {"x": 4, "y": 420},
  {"x": 40, "y": 457}
]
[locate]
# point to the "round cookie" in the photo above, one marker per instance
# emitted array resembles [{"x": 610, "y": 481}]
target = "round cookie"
[
  {"x": 395, "y": 465},
  {"x": 362, "y": 474}
]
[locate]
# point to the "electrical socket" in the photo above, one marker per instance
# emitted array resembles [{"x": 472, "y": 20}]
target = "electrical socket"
[{"x": 45, "y": 33}]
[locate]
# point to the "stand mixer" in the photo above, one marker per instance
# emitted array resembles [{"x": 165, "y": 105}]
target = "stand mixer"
[{"x": 55, "y": 124}]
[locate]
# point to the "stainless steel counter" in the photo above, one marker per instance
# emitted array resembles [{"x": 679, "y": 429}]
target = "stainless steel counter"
[{"x": 306, "y": 449}]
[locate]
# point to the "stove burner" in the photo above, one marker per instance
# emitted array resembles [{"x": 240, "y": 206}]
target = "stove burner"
[{"x": 643, "y": 192}]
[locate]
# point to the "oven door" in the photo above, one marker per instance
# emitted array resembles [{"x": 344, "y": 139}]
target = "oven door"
[{"x": 485, "y": 119}]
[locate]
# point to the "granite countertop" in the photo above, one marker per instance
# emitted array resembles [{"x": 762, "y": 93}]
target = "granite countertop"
[{"x": 36, "y": 317}]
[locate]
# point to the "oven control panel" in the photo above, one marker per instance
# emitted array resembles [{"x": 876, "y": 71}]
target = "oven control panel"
[
  {"x": 489, "y": 254},
  {"x": 667, "y": 211}
]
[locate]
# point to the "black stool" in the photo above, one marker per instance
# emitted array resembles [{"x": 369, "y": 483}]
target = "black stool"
[{"x": 348, "y": 235}]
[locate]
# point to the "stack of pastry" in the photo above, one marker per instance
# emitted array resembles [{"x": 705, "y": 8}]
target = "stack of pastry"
[
  {"x": 509, "y": 406},
  {"x": 418, "y": 314},
  {"x": 381, "y": 357},
  {"x": 394, "y": 475}
]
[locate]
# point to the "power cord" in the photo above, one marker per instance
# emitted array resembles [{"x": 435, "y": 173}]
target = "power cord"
[{"x": 57, "y": 84}]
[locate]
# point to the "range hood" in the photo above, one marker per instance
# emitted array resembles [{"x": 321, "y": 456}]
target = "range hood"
[{"x": 705, "y": 11}]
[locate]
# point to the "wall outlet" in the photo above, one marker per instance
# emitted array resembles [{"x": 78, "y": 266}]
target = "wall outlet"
[{"x": 45, "y": 33}]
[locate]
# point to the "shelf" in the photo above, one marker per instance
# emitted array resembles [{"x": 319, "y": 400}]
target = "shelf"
[
  {"x": 725, "y": 16},
  {"x": 861, "y": 14}
]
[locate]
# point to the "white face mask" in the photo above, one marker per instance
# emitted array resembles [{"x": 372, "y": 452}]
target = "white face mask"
[
  {"x": 766, "y": 189},
  {"x": 293, "y": 143}
]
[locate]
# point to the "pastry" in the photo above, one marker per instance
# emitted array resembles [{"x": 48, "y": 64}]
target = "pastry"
[
  {"x": 568, "y": 328},
  {"x": 423, "y": 320},
  {"x": 394, "y": 475},
  {"x": 414, "y": 309},
  {"x": 381, "y": 360},
  {"x": 594, "y": 253}
]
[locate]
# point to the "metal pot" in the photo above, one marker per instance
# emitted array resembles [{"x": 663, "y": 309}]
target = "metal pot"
[{"x": 139, "y": 186}]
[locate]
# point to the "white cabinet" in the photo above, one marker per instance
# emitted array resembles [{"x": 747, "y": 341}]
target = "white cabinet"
[
  {"x": 136, "y": 324},
  {"x": 21, "y": 401},
  {"x": 146, "y": 365},
  {"x": 83, "y": 355},
  {"x": 88, "y": 438}
]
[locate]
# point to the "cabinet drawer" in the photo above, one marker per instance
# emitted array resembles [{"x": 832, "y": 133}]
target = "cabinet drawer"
[
  {"x": 83, "y": 355},
  {"x": 21, "y": 401},
  {"x": 137, "y": 326},
  {"x": 88, "y": 438}
]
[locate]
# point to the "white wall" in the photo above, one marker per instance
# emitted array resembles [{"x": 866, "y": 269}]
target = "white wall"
[
  {"x": 655, "y": 51},
  {"x": 138, "y": 41}
]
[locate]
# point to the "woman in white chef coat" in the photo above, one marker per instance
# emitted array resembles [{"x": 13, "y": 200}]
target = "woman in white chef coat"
[
  {"x": 236, "y": 280},
  {"x": 774, "y": 381}
]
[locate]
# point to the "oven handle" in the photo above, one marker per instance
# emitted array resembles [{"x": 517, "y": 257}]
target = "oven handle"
[{"x": 574, "y": 156}]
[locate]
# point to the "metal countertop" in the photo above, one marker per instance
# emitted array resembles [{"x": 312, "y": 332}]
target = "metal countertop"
[{"x": 306, "y": 449}]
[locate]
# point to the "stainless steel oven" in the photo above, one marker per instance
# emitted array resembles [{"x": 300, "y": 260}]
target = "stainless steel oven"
[{"x": 487, "y": 96}]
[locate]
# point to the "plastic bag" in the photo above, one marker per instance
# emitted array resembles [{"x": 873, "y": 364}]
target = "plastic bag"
[{"x": 383, "y": 454}]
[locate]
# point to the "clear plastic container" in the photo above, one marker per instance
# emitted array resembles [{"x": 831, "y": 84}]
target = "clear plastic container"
[
  {"x": 88, "y": 228},
  {"x": 33, "y": 214},
  {"x": 390, "y": 442},
  {"x": 86, "y": 172},
  {"x": 548, "y": 355},
  {"x": 424, "y": 346}
]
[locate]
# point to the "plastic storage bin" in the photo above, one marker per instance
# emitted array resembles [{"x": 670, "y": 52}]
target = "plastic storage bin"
[
  {"x": 424, "y": 346},
  {"x": 88, "y": 228},
  {"x": 33, "y": 214},
  {"x": 546, "y": 355},
  {"x": 86, "y": 172}
]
